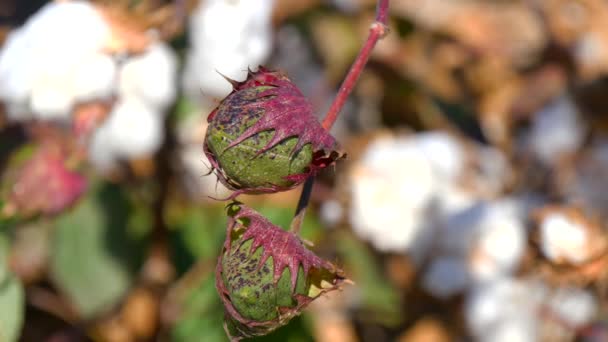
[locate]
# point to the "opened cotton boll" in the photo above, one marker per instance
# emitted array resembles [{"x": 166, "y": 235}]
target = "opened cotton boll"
[
  {"x": 66, "y": 34},
  {"x": 500, "y": 243},
  {"x": 132, "y": 130},
  {"x": 401, "y": 186},
  {"x": 150, "y": 76},
  {"x": 446, "y": 276},
  {"x": 557, "y": 131},
  {"x": 227, "y": 38},
  {"x": 391, "y": 186},
  {"x": 576, "y": 306},
  {"x": 567, "y": 236},
  {"x": 505, "y": 308}
]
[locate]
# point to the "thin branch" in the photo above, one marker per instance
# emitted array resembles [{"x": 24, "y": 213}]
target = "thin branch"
[
  {"x": 296, "y": 223},
  {"x": 377, "y": 31}
]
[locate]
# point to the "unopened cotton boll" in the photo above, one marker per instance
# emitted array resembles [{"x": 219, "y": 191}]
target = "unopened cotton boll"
[
  {"x": 446, "y": 277},
  {"x": 227, "y": 37},
  {"x": 38, "y": 58},
  {"x": 150, "y": 76}
]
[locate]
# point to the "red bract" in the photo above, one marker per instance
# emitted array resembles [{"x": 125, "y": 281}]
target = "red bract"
[
  {"x": 263, "y": 137},
  {"x": 44, "y": 185},
  {"x": 265, "y": 275}
]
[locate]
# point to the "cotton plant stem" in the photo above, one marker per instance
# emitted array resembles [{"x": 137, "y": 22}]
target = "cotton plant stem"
[{"x": 377, "y": 31}]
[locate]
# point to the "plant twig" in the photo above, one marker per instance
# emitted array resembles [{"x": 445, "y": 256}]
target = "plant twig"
[
  {"x": 377, "y": 31},
  {"x": 296, "y": 223}
]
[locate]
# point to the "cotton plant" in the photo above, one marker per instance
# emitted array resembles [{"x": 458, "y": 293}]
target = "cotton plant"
[{"x": 82, "y": 64}]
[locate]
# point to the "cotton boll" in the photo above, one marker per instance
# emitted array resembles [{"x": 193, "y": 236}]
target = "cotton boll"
[
  {"x": 94, "y": 77},
  {"x": 101, "y": 154},
  {"x": 15, "y": 79},
  {"x": 446, "y": 277},
  {"x": 135, "y": 129},
  {"x": 227, "y": 37},
  {"x": 37, "y": 60},
  {"x": 150, "y": 76},
  {"x": 512, "y": 329},
  {"x": 500, "y": 244},
  {"x": 391, "y": 187},
  {"x": 563, "y": 238},
  {"x": 445, "y": 153},
  {"x": 51, "y": 97},
  {"x": 504, "y": 308},
  {"x": 556, "y": 131},
  {"x": 568, "y": 236},
  {"x": 132, "y": 130},
  {"x": 575, "y": 306}
]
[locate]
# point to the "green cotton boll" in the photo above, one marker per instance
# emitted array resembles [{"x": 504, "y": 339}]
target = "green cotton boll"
[
  {"x": 252, "y": 289},
  {"x": 264, "y": 138},
  {"x": 242, "y": 165}
]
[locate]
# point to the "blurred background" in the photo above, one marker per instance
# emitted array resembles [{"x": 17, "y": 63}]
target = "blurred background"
[{"x": 473, "y": 205}]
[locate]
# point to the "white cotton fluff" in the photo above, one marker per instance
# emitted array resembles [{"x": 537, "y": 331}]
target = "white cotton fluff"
[
  {"x": 490, "y": 234},
  {"x": 39, "y": 59},
  {"x": 500, "y": 244},
  {"x": 576, "y": 306},
  {"x": 446, "y": 277},
  {"x": 557, "y": 130},
  {"x": 399, "y": 186},
  {"x": 563, "y": 239},
  {"x": 505, "y": 309},
  {"x": 94, "y": 77},
  {"x": 227, "y": 37},
  {"x": 444, "y": 152},
  {"x": 132, "y": 130},
  {"x": 391, "y": 187},
  {"x": 150, "y": 76}
]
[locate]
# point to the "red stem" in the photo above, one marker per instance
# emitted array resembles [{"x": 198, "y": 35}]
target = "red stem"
[{"x": 377, "y": 31}]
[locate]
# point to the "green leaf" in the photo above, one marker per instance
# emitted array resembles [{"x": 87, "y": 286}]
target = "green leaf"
[
  {"x": 94, "y": 257},
  {"x": 377, "y": 295},
  {"x": 12, "y": 302},
  {"x": 12, "y": 299},
  {"x": 202, "y": 315}
]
